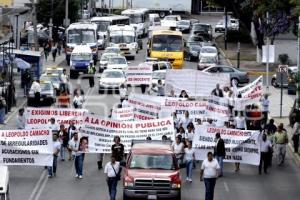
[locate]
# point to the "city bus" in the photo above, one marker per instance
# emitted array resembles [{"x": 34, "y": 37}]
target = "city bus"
[
  {"x": 167, "y": 45},
  {"x": 138, "y": 18},
  {"x": 81, "y": 33}
]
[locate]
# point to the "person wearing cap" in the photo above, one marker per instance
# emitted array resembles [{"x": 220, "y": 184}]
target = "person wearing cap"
[
  {"x": 56, "y": 150},
  {"x": 53, "y": 126},
  {"x": 20, "y": 119},
  {"x": 219, "y": 151}
]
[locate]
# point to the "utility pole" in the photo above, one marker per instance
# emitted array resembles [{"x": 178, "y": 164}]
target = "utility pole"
[
  {"x": 17, "y": 32},
  {"x": 298, "y": 63},
  {"x": 36, "y": 45},
  {"x": 67, "y": 14},
  {"x": 267, "y": 56},
  {"x": 51, "y": 22},
  {"x": 225, "y": 32}
]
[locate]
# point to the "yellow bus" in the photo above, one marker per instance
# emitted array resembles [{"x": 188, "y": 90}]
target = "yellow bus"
[{"x": 167, "y": 45}]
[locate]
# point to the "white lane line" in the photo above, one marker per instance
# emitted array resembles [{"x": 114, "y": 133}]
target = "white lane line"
[
  {"x": 226, "y": 187},
  {"x": 37, "y": 185},
  {"x": 37, "y": 197}
]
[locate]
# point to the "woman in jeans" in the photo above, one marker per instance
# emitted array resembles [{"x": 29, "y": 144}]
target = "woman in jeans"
[{"x": 189, "y": 153}]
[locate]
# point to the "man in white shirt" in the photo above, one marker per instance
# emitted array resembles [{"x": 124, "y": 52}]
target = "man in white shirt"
[
  {"x": 56, "y": 149},
  {"x": 184, "y": 122},
  {"x": 209, "y": 172},
  {"x": 240, "y": 122},
  {"x": 113, "y": 172},
  {"x": 53, "y": 126},
  {"x": 265, "y": 108},
  {"x": 74, "y": 144},
  {"x": 20, "y": 119},
  {"x": 36, "y": 89},
  {"x": 64, "y": 79},
  {"x": 265, "y": 147},
  {"x": 122, "y": 92}
]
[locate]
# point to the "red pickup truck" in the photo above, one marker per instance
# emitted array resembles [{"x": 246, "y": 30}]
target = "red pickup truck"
[{"x": 151, "y": 172}]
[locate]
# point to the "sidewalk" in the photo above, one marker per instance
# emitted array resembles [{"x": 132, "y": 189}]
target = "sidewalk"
[{"x": 21, "y": 100}]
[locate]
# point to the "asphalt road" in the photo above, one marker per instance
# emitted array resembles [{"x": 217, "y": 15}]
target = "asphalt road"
[{"x": 31, "y": 183}]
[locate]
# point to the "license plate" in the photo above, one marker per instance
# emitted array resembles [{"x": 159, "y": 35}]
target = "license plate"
[
  {"x": 152, "y": 197},
  {"x": 42, "y": 99}
]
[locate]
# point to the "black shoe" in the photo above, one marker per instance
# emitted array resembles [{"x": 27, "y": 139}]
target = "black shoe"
[
  {"x": 99, "y": 165},
  {"x": 259, "y": 173}
]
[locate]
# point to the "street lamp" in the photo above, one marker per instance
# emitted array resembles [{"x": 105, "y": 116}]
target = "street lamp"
[{"x": 298, "y": 62}]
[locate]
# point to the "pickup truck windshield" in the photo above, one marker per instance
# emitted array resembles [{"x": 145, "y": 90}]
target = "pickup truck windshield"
[{"x": 164, "y": 162}]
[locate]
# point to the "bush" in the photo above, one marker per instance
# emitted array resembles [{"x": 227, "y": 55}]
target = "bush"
[{"x": 242, "y": 35}]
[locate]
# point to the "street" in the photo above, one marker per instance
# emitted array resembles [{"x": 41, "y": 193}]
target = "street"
[{"x": 32, "y": 183}]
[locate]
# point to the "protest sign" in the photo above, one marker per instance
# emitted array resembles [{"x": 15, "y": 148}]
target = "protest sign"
[
  {"x": 217, "y": 108},
  {"x": 101, "y": 131},
  {"x": 26, "y": 147},
  {"x": 123, "y": 114},
  {"x": 253, "y": 90},
  {"x": 241, "y": 145},
  {"x": 144, "y": 106},
  {"x": 39, "y": 117},
  {"x": 195, "y": 82},
  {"x": 137, "y": 75}
]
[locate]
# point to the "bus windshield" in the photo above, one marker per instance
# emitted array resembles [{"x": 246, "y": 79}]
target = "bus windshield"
[
  {"x": 81, "y": 36},
  {"x": 117, "y": 39},
  {"x": 167, "y": 43},
  {"x": 102, "y": 26},
  {"x": 135, "y": 19}
]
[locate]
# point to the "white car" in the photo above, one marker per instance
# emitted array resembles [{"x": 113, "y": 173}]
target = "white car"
[
  {"x": 206, "y": 62},
  {"x": 170, "y": 21},
  {"x": 115, "y": 50},
  {"x": 54, "y": 78},
  {"x": 208, "y": 51},
  {"x": 159, "y": 75},
  {"x": 104, "y": 60},
  {"x": 159, "y": 65},
  {"x": 117, "y": 62},
  {"x": 111, "y": 79}
]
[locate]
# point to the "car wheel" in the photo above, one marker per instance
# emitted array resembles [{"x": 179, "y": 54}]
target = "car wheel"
[
  {"x": 101, "y": 91},
  {"x": 235, "y": 80},
  {"x": 162, "y": 14},
  {"x": 178, "y": 196}
]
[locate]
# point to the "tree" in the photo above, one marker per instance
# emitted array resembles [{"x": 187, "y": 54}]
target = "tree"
[{"x": 44, "y": 11}]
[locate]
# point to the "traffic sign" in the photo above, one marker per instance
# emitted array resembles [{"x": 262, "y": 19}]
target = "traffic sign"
[{"x": 282, "y": 69}]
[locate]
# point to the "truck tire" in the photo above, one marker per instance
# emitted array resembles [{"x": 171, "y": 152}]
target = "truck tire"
[{"x": 162, "y": 14}]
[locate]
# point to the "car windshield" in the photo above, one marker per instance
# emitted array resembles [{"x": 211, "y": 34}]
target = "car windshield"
[
  {"x": 105, "y": 57},
  {"x": 208, "y": 60},
  {"x": 117, "y": 61},
  {"x": 195, "y": 48},
  {"x": 187, "y": 23},
  {"x": 112, "y": 50},
  {"x": 112, "y": 74},
  {"x": 159, "y": 75},
  {"x": 117, "y": 39},
  {"x": 208, "y": 50},
  {"x": 135, "y": 19},
  {"x": 164, "y": 162},
  {"x": 102, "y": 26},
  {"x": 201, "y": 27},
  {"x": 45, "y": 86},
  {"x": 79, "y": 36},
  {"x": 172, "y": 43},
  {"x": 81, "y": 57}
]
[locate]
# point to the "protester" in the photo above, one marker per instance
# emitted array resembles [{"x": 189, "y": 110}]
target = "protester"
[
  {"x": 125, "y": 102},
  {"x": 295, "y": 133},
  {"x": 79, "y": 157},
  {"x": 189, "y": 153},
  {"x": 117, "y": 149},
  {"x": 64, "y": 78},
  {"x": 91, "y": 72},
  {"x": 78, "y": 90},
  {"x": 209, "y": 172},
  {"x": 178, "y": 149},
  {"x": 172, "y": 94},
  {"x": 176, "y": 120},
  {"x": 217, "y": 91},
  {"x": 271, "y": 127},
  {"x": 36, "y": 89},
  {"x": 59, "y": 48},
  {"x": 240, "y": 121},
  {"x": 113, "y": 172},
  {"x": 99, "y": 160},
  {"x": 123, "y": 92},
  {"x": 219, "y": 152},
  {"x": 78, "y": 100},
  {"x": 56, "y": 148},
  {"x": 160, "y": 88},
  {"x": 226, "y": 92},
  {"x": 54, "y": 52},
  {"x": 47, "y": 49},
  {"x": 73, "y": 145},
  {"x": 64, "y": 139},
  {"x": 265, "y": 108},
  {"x": 180, "y": 132},
  {"x": 63, "y": 99},
  {"x": 265, "y": 147},
  {"x": 26, "y": 80},
  {"x": 281, "y": 139},
  {"x": 143, "y": 88},
  {"x": 183, "y": 94},
  {"x": 20, "y": 119},
  {"x": 189, "y": 134},
  {"x": 185, "y": 120},
  {"x": 53, "y": 126}
]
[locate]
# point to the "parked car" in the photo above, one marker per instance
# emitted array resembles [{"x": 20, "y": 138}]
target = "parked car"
[
  {"x": 47, "y": 96},
  {"x": 209, "y": 51},
  {"x": 151, "y": 172},
  {"x": 191, "y": 52},
  {"x": 202, "y": 28},
  {"x": 111, "y": 79},
  {"x": 159, "y": 75},
  {"x": 104, "y": 60},
  {"x": 206, "y": 62},
  {"x": 117, "y": 62},
  {"x": 184, "y": 26},
  {"x": 238, "y": 76},
  {"x": 291, "y": 70}
]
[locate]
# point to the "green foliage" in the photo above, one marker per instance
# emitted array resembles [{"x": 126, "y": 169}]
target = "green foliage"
[
  {"x": 283, "y": 58},
  {"x": 242, "y": 36},
  {"x": 43, "y": 9}
]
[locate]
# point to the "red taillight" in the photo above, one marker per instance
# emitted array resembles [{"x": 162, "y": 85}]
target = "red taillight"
[{"x": 175, "y": 178}]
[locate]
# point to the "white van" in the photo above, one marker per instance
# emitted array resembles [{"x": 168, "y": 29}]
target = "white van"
[
  {"x": 154, "y": 19},
  {"x": 4, "y": 183}
]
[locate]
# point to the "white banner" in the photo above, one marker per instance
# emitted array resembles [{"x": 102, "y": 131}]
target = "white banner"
[
  {"x": 241, "y": 145},
  {"x": 137, "y": 75},
  {"x": 195, "y": 82},
  {"x": 39, "y": 117},
  {"x": 268, "y": 53},
  {"x": 100, "y": 132},
  {"x": 218, "y": 108},
  {"x": 123, "y": 114},
  {"x": 26, "y": 147},
  {"x": 145, "y": 107},
  {"x": 253, "y": 90}
]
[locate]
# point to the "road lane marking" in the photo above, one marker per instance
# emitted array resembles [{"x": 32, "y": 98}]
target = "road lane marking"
[
  {"x": 41, "y": 188},
  {"x": 37, "y": 185},
  {"x": 226, "y": 187}
]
